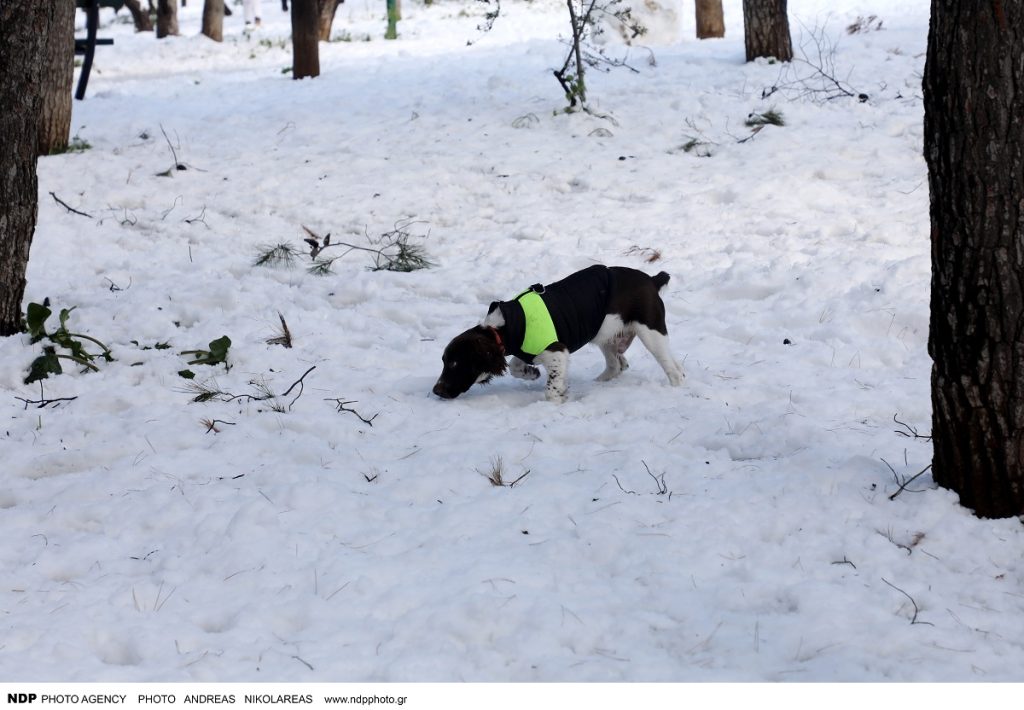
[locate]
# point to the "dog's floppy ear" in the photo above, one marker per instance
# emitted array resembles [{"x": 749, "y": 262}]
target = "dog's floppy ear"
[
  {"x": 490, "y": 352},
  {"x": 496, "y": 364}
]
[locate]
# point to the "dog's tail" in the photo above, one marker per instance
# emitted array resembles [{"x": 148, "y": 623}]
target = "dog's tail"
[{"x": 660, "y": 279}]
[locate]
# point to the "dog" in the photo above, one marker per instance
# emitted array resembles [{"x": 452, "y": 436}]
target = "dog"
[{"x": 604, "y": 305}]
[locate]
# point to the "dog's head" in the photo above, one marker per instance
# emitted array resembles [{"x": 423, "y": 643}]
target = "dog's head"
[{"x": 472, "y": 357}]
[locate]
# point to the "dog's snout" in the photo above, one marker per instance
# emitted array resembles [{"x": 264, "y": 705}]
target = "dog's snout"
[{"x": 441, "y": 391}]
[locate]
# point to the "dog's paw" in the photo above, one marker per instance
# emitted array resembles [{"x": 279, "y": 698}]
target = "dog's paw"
[
  {"x": 521, "y": 370},
  {"x": 556, "y": 397}
]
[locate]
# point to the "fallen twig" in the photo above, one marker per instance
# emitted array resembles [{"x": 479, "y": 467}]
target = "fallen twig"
[
  {"x": 300, "y": 385},
  {"x": 178, "y": 165},
  {"x": 910, "y": 480},
  {"x": 390, "y": 252},
  {"x": 913, "y": 619},
  {"x": 68, "y": 207},
  {"x": 200, "y": 218},
  {"x": 43, "y": 402},
  {"x": 525, "y": 474},
  {"x": 211, "y": 425},
  {"x": 342, "y": 407},
  {"x": 620, "y": 486},
  {"x": 204, "y": 392},
  {"x": 911, "y": 432},
  {"x": 658, "y": 480}
]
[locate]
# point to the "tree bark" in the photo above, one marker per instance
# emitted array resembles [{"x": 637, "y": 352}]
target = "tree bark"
[
  {"x": 305, "y": 39},
  {"x": 974, "y": 147},
  {"x": 710, "y": 21},
  {"x": 140, "y": 17},
  {"x": 213, "y": 20},
  {"x": 766, "y": 30},
  {"x": 166, "y": 18},
  {"x": 328, "y": 8},
  {"x": 58, "y": 73},
  {"x": 22, "y": 49}
]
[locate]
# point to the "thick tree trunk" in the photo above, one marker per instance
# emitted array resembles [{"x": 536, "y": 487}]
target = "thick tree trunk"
[
  {"x": 710, "y": 21},
  {"x": 974, "y": 146},
  {"x": 327, "y": 10},
  {"x": 22, "y": 48},
  {"x": 305, "y": 39},
  {"x": 166, "y": 18},
  {"x": 213, "y": 20},
  {"x": 140, "y": 17},
  {"x": 766, "y": 30},
  {"x": 58, "y": 72}
]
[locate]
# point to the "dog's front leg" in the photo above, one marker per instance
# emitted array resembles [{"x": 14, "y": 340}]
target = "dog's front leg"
[
  {"x": 556, "y": 361},
  {"x": 522, "y": 370}
]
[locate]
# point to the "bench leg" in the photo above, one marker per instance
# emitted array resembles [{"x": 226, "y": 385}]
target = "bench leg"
[{"x": 92, "y": 21}]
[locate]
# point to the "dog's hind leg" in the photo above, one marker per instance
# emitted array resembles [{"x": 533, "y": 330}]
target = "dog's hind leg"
[
  {"x": 614, "y": 362},
  {"x": 622, "y": 344},
  {"x": 657, "y": 343},
  {"x": 613, "y": 338},
  {"x": 612, "y": 366}
]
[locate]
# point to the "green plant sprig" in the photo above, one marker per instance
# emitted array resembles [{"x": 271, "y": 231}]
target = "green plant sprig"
[{"x": 49, "y": 362}]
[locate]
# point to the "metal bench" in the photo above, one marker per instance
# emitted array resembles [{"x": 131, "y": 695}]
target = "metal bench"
[{"x": 87, "y": 45}]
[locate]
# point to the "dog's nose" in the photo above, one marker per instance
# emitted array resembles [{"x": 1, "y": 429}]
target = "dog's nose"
[{"x": 441, "y": 392}]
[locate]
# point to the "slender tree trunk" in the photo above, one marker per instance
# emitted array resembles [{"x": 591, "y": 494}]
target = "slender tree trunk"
[
  {"x": 305, "y": 39},
  {"x": 140, "y": 17},
  {"x": 328, "y": 8},
  {"x": 392, "y": 9},
  {"x": 22, "y": 49},
  {"x": 974, "y": 146},
  {"x": 766, "y": 30},
  {"x": 58, "y": 72},
  {"x": 710, "y": 21},
  {"x": 166, "y": 18},
  {"x": 213, "y": 20}
]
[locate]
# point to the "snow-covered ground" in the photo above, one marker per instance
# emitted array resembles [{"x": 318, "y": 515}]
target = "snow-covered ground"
[{"x": 740, "y": 527}]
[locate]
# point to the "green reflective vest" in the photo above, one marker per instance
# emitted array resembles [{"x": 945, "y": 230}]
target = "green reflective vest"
[{"x": 540, "y": 329}]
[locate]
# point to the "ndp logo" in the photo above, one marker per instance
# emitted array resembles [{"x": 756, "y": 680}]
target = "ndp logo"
[{"x": 18, "y": 698}]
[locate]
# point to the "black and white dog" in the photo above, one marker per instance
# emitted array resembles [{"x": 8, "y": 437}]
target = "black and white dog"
[{"x": 604, "y": 305}]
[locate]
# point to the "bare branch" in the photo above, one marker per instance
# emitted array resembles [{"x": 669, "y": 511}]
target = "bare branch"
[
  {"x": 913, "y": 619},
  {"x": 909, "y": 431},
  {"x": 43, "y": 402},
  {"x": 620, "y": 486},
  {"x": 907, "y": 482},
  {"x": 68, "y": 207},
  {"x": 658, "y": 480},
  {"x": 342, "y": 406},
  {"x": 300, "y": 385}
]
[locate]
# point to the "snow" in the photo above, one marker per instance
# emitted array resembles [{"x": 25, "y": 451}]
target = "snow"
[{"x": 740, "y": 527}]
